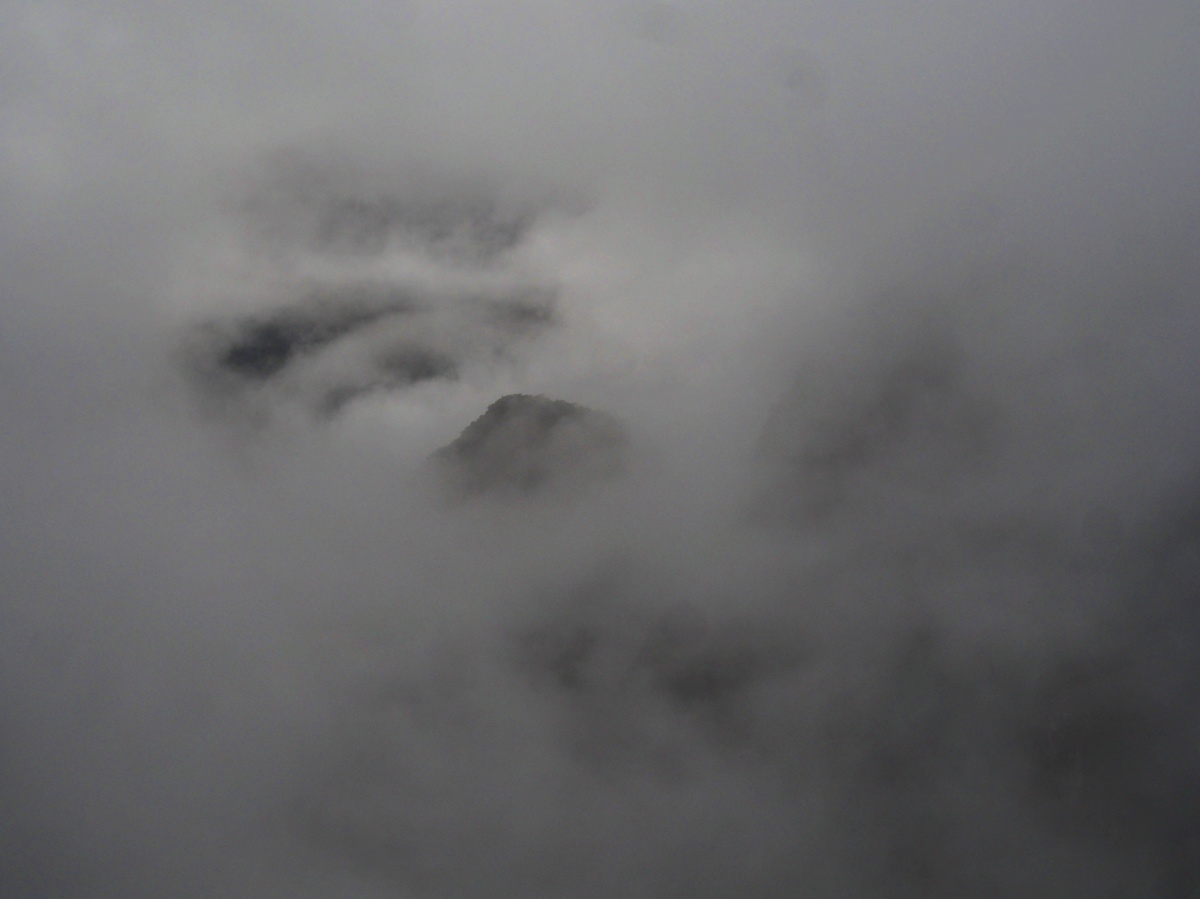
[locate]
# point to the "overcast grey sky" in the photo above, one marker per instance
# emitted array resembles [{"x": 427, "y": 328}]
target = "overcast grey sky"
[{"x": 896, "y": 302}]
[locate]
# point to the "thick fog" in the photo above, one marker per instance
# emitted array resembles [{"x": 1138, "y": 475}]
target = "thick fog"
[{"x": 873, "y": 571}]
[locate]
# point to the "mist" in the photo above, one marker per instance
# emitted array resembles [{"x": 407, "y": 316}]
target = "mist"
[{"x": 866, "y": 563}]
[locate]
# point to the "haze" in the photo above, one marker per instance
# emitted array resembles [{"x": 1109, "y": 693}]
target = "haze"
[{"x": 894, "y": 593}]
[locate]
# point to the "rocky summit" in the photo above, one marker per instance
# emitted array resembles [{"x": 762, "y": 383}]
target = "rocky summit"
[{"x": 525, "y": 444}]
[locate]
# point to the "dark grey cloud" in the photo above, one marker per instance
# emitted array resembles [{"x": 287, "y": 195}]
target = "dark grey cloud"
[
  {"x": 895, "y": 594},
  {"x": 899, "y": 405}
]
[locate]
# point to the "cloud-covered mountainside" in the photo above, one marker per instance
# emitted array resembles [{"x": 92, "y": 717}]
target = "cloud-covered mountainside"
[
  {"x": 342, "y": 342},
  {"x": 929, "y": 686},
  {"x": 413, "y": 289},
  {"x": 581, "y": 450}
]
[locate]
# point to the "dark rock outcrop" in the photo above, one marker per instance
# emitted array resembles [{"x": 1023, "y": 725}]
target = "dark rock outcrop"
[{"x": 524, "y": 444}]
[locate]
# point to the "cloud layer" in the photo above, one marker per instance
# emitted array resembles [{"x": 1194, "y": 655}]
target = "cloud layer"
[{"x": 895, "y": 593}]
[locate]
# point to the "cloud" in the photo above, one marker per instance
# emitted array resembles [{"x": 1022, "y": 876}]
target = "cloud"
[
  {"x": 363, "y": 293},
  {"x": 894, "y": 595}
]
